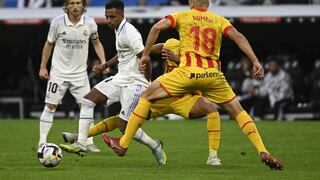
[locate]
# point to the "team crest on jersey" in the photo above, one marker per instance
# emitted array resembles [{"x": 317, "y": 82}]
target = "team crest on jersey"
[{"x": 85, "y": 32}]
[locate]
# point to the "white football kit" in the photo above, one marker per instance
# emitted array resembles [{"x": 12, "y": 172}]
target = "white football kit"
[
  {"x": 69, "y": 59},
  {"x": 127, "y": 85}
]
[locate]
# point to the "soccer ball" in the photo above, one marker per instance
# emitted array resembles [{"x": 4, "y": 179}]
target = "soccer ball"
[{"x": 49, "y": 155}]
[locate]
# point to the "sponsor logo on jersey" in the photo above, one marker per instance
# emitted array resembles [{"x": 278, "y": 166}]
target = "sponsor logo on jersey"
[{"x": 206, "y": 75}]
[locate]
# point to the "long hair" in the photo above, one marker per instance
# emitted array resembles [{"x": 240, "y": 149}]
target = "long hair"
[{"x": 66, "y": 2}]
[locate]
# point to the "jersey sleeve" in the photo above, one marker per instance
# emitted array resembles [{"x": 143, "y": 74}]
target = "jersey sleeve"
[
  {"x": 53, "y": 32},
  {"x": 174, "y": 18},
  {"x": 226, "y": 26},
  {"x": 94, "y": 30},
  {"x": 136, "y": 42}
]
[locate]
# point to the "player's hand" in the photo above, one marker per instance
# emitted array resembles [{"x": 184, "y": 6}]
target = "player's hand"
[
  {"x": 168, "y": 54},
  {"x": 106, "y": 71},
  {"x": 43, "y": 73},
  {"x": 143, "y": 63},
  {"x": 99, "y": 68},
  {"x": 257, "y": 71}
]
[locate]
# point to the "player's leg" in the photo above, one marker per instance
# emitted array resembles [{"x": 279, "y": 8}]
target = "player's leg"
[
  {"x": 140, "y": 113},
  {"x": 246, "y": 123},
  {"x": 203, "y": 107},
  {"x": 99, "y": 94},
  {"x": 142, "y": 137},
  {"x": 46, "y": 120},
  {"x": 54, "y": 93},
  {"x": 173, "y": 81},
  {"x": 79, "y": 89},
  {"x": 106, "y": 125}
]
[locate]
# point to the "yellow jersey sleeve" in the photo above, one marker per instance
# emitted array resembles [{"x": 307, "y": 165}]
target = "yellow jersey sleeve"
[
  {"x": 225, "y": 25},
  {"x": 174, "y": 18}
]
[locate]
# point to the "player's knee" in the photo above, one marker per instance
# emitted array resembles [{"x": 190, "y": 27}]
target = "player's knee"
[
  {"x": 52, "y": 107},
  {"x": 207, "y": 106},
  {"x": 86, "y": 103}
]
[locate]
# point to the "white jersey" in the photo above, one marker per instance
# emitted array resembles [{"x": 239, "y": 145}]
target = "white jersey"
[
  {"x": 70, "y": 54},
  {"x": 128, "y": 44}
]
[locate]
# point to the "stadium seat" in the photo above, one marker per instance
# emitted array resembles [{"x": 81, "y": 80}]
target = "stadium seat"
[
  {"x": 10, "y": 3},
  {"x": 157, "y": 2},
  {"x": 131, "y": 2},
  {"x": 96, "y": 3}
]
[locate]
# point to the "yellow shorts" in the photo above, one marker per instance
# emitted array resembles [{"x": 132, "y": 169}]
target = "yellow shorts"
[
  {"x": 174, "y": 105},
  {"x": 211, "y": 82}
]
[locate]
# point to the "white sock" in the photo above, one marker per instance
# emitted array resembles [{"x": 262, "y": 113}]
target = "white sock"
[
  {"x": 90, "y": 139},
  {"x": 86, "y": 118},
  {"x": 46, "y": 120},
  {"x": 143, "y": 138}
]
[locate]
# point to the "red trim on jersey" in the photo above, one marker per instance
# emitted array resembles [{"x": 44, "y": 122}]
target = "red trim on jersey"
[
  {"x": 246, "y": 124},
  {"x": 219, "y": 64},
  {"x": 199, "y": 60},
  {"x": 215, "y": 130},
  {"x": 188, "y": 59},
  {"x": 210, "y": 62},
  {"x": 171, "y": 19},
  {"x": 164, "y": 88},
  {"x": 252, "y": 132},
  {"x": 226, "y": 30},
  {"x": 228, "y": 100},
  {"x": 201, "y": 9},
  {"x": 138, "y": 115}
]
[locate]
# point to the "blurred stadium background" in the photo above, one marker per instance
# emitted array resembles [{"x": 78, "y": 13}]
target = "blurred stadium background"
[{"x": 288, "y": 30}]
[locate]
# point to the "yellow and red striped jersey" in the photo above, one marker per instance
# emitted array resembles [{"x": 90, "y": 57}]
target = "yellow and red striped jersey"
[{"x": 200, "y": 34}]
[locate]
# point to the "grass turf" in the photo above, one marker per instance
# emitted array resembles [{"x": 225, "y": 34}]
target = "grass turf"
[{"x": 295, "y": 143}]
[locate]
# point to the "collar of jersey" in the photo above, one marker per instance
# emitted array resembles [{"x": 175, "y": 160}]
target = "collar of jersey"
[
  {"x": 201, "y": 9},
  {"x": 121, "y": 25},
  {"x": 69, "y": 23}
]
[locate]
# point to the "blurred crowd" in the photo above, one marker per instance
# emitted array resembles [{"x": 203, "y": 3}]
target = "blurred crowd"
[
  {"x": 59, "y": 3},
  {"x": 281, "y": 88}
]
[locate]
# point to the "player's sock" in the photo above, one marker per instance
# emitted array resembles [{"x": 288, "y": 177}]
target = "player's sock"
[
  {"x": 46, "y": 120},
  {"x": 107, "y": 125},
  {"x": 249, "y": 128},
  {"x": 213, "y": 126},
  {"x": 86, "y": 117},
  {"x": 137, "y": 118},
  {"x": 143, "y": 138},
  {"x": 90, "y": 138}
]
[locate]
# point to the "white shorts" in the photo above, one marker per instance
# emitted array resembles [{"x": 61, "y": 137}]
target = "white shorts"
[
  {"x": 56, "y": 89},
  {"x": 128, "y": 96}
]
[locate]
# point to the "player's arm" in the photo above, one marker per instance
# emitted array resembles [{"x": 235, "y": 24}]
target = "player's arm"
[
  {"x": 242, "y": 42},
  {"x": 156, "y": 48},
  {"x": 152, "y": 37},
  {"x": 102, "y": 67},
  {"x": 98, "y": 47},
  {"x": 166, "y": 53},
  {"x": 46, "y": 52},
  {"x": 148, "y": 70},
  {"x": 154, "y": 33}
]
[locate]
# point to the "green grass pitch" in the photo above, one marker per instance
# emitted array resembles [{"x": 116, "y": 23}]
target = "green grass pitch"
[{"x": 295, "y": 143}]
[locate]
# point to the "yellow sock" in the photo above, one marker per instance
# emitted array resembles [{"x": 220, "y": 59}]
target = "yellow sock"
[
  {"x": 213, "y": 126},
  {"x": 249, "y": 128},
  {"x": 137, "y": 118},
  {"x": 106, "y": 125}
]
